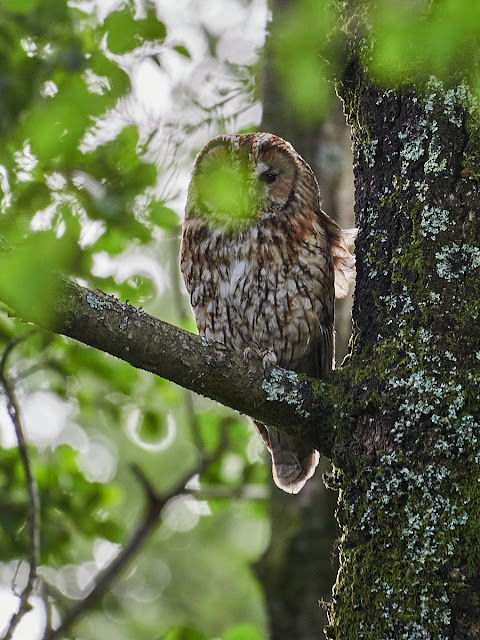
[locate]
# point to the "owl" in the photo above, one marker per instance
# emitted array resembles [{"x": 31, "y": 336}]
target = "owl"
[{"x": 262, "y": 264}]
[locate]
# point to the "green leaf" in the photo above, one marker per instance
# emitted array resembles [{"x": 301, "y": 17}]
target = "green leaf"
[
  {"x": 144, "y": 175},
  {"x": 19, "y": 6},
  {"x": 151, "y": 28},
  {"x": 416, "y": 40},
  {"x": 114, "y": 241},
  {"x": 162, "y": 216},
  {"x": 57, "y": 124},
  {"x": 125, "y": 33},
  {"x": 300, "y": 39},
  {"x": 183, "y": 51},
  {"x": 152, "y": 428},
  {"x": 243, "y": 632},
  {"x": 119, "y": 79},
  {"x": 32, "y": 196},
  {"x": 184, "y": 633},
  {"x": 122, "y": 30},
  {"x": 28, "y": 278},
  {"x": 307, "y": 89}
]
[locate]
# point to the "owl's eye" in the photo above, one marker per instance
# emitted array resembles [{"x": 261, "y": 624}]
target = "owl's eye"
[{"x": 268, "y": 177}]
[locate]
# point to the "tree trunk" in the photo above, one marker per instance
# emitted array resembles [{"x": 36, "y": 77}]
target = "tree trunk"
[{"x": 409, "y": 470}]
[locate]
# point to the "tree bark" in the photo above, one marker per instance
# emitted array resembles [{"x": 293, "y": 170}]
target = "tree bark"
[{"x": 410, "y": 467}]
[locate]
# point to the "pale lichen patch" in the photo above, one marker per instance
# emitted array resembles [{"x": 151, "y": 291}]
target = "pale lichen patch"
[
  {"x": 454, "y": 261},
  {"x": 277, "y": 388},
  {"x": 433, "y": 221}
]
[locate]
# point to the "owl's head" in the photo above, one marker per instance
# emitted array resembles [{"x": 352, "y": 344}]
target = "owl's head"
[{"x": 237, "y": 179}]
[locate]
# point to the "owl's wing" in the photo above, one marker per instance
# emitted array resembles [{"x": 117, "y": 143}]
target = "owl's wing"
[
  {"x": 319, "y": 360},
  {"x": 343, "y": 261},
  {"x": 324, "y": 353}
]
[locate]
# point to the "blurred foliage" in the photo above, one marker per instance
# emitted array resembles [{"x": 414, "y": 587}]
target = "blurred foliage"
[
  {"x": 303, "y": 55},
  {"x": 402, "y": 42},
  {"x": 58, "y": 81},
  {"x": 417, "y": 39},
  {"x": 86, "y": 190}
]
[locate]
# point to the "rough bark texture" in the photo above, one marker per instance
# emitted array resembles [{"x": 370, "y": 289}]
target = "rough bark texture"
[{"x": 410, "y": 491}]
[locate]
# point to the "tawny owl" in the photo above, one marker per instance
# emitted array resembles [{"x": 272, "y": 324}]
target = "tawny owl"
[{"x": 262, "y": 263}]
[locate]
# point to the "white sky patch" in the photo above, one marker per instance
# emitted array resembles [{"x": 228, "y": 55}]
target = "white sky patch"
[
  {"x": 49, "y": 89},
  {"x": 7, "y": 431},
  {"x": 104, "y": 552},
  {"x": 236, "y": 50},
  {"x": 32, "y": 624},
  {"x": 256, "y": 448},
  {"x": 42, "y": 220},
  {"x": 71, "y": 579},
  {"x": 183, "y": 513},
  {"x": 74, "y": 437},
  {"x": 232, "y": 467},
  {"x": 125, "y": 266},
  {"x": 5, "y": 189},
  {"x": 153, "y": 90},
  {"x": 26, "y": 163},
  {"x": 98, "y": 462},
  {"x": 44, "y": 418},
  {"x": 91, "y": 231}
]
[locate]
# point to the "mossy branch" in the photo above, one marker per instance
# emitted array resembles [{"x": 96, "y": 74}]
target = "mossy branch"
[{"x": 301, "y": 407}]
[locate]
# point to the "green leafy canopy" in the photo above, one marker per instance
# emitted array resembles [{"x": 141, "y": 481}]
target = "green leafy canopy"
[{"x": 79, "y": 187}]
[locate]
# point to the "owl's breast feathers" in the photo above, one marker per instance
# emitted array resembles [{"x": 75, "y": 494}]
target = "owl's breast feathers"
[{"x": 270, "y": 287}]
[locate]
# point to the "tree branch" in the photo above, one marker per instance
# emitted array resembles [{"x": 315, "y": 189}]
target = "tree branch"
[
  {"x": 104, "y": 580},
  {"x": 155, "y": 503},
  {"x": 33, "y": 523},
  {"x": 301, "y": 407}
]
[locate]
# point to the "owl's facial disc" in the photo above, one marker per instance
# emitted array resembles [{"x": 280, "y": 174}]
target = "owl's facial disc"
[
  {"x": 277, "y": 172},
  {"x": 228, "y": 193}
]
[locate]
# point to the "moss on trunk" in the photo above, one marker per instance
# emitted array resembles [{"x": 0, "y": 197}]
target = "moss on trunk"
[{"x": 410, "y": 476}]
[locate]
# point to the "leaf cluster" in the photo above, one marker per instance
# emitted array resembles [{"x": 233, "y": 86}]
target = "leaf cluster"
[{"x": 78, "y": 183}]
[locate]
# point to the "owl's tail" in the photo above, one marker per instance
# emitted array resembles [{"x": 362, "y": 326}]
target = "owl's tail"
[{"x": 293, "y": 462}]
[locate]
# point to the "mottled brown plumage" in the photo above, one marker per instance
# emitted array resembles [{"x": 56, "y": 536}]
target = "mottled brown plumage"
[{"x": 262, "y": 262}]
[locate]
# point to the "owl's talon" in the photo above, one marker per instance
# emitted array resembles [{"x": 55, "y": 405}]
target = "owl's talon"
[
  {"x": 269, "y": 362},
  {"x": 268, "y": 358}
]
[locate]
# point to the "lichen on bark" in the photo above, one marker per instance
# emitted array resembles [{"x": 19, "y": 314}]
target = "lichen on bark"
[{"x": 410, "y": 492}]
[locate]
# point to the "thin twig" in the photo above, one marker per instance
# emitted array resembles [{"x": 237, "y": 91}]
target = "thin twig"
[
  {"x": 13, "y": 408},
  {"x": 192, "y": 420},
  {"x": 103, "y": 581}
]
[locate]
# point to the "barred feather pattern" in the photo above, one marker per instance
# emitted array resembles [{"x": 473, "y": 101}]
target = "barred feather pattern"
[{"x": 262, "y": 273}]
